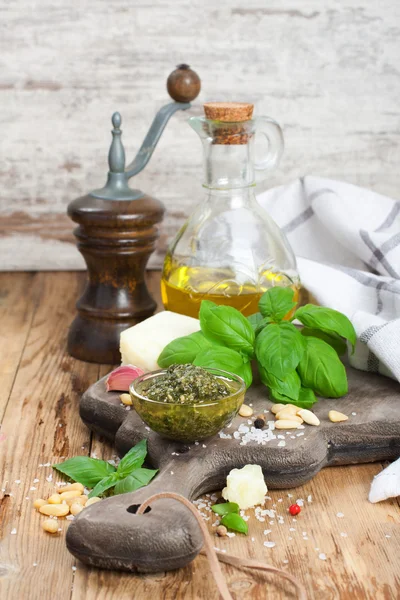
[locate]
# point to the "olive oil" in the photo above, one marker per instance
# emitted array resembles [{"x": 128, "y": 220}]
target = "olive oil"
[{"x": 183, "y": 288}]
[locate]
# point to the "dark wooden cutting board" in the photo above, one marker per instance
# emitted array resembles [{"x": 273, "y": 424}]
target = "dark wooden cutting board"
[{"x": 110, "y": 535}]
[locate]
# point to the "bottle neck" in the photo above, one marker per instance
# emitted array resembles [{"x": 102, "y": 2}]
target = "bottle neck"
[{"x": 228, "y": 167}]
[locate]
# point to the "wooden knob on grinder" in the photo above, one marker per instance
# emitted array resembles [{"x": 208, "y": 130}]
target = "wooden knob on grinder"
[{"x": 183, "y": 84}]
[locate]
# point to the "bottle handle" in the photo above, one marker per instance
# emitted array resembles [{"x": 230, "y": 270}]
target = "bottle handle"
[{"x": 273, "y": 133}]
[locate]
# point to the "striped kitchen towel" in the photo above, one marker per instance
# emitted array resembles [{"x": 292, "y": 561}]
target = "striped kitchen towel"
[{"x": 347, "y": 243}]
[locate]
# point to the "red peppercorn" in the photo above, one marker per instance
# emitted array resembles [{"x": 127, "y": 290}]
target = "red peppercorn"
[{"x": 294, "y": 509}]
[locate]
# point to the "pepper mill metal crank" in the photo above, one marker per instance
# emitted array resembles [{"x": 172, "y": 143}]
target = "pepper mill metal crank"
[{"x": 116, "y": 234}]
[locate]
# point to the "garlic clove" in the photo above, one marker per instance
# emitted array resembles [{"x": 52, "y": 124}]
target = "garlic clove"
[
  {"x": 386, "y": 484},
  {"x": 121, "y": 378}
]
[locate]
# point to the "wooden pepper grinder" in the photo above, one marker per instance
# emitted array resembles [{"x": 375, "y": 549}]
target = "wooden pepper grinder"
[{"x": 116, "y": 233}]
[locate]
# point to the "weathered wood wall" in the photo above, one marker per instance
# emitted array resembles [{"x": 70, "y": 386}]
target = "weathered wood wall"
[{"x": 327, "y": 70}]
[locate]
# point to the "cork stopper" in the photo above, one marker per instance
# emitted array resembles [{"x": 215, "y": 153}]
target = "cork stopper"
[{"x": 228, "y": 112}]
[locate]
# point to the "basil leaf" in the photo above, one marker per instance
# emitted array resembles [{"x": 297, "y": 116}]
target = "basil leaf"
[
  {"x": 103, "y": 485},
  {"x": 227, "y": 326},
  {"x": 86, "y": 470},
  {"x": 217, "y": 357},
  {"x": 265, "y": 321},
  {"x": 279, "y": 348},
  {"x": 246, "y": 373},
  {"x": 289, "y": 387},
  {"x": 305, "y": 400},
  {"x": 333, "y": 339},
  {"x": 132, "y": 459},
  {"x": 322, "y": 370},
  {"x": 226, "y": 508},
  {"x": 255, "y": 320},
  {"x": 277, "y": 303},
  {"x": 183, "y": 350},
  {"x": 235, "y": 522},
  {"x": 134, "y": 481},
  {"x": 327, "y": 319}
]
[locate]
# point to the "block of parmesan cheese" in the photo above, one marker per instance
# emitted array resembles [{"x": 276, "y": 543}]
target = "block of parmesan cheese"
[{"x": 143, "y": 343}]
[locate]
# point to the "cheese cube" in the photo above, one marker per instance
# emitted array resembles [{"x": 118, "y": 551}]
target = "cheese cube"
[{"x": 142, "y": 344}]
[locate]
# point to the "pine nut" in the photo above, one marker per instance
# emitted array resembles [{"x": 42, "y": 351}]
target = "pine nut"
[
  {"x": 70, "y": 494},
  {"x": 308, "y": 417},
  {"x": 54, "y": 510},
  {"x": 275, "y": 408},
  {"x": 285, "y": 415},
  {"x": 291, "y": 408},
  {"x": 50, "y": 525},
  {"x": 221, "y": 531},
  {"x": 245, "y": 411},
  {"x": 54, "y": 499},
  {"x": 286, "y": 424},
  {"x": 79, "y": 500},
  {"x": 93, "y": 500},
  {"x": 126, "y": 399},
  {"x": 76, "y": 509},
  {"x": 70, "y": 487},
  {"x": 38, "y": 503},
  {"x": 337, "y": 417}
]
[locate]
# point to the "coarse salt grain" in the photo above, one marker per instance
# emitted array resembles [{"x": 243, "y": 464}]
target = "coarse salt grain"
[
  {"x": 309, "y": 498},
  {"x": 340, "y": 515},
  {"x": 32, "y": 489},
  {"x": 230, "y": 534},
  {"x": 49, "y": 478},
  {"x": 300, "y": 502},
  {"x": 343, "y": 534},
  {"x": 322, "y": 556},
  {"x": 267, "y": 531},
  {"x": 387, "y": 536},
  {"x": 13, "y": 531},
  {"x": 285, "y": 562},
  {"x": 36, "y": 480},
  {"x": 269, "y": 544},
  {"x": 17, "y": 481}
]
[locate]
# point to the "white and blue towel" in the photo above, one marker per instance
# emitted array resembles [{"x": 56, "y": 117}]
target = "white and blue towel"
[{"x": 347, "y": 243}]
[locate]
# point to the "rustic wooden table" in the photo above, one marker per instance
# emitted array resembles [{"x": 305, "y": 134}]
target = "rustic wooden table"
[{"x": 340, "y": 546}]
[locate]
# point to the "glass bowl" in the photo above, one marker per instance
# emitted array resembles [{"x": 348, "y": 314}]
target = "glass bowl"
[{"x": 188, "y": 422}]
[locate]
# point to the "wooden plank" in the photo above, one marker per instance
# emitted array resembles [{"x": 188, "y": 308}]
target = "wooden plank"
[
  {"x": 41, "y": 425},
  {"x": 18, "y": 300},
  {"x": 333, "y": 91}
]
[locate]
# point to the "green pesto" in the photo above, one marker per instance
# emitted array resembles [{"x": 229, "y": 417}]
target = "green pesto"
[
  {"x": 186, "y": 384},
  {"x": 187, "y": 403}
]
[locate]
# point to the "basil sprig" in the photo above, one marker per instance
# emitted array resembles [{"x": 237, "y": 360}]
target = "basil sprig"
[
  {"x": 229, "y": 511},
  {"x": 101, "y": 476},
  {"x": 295, "y": 364}
]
